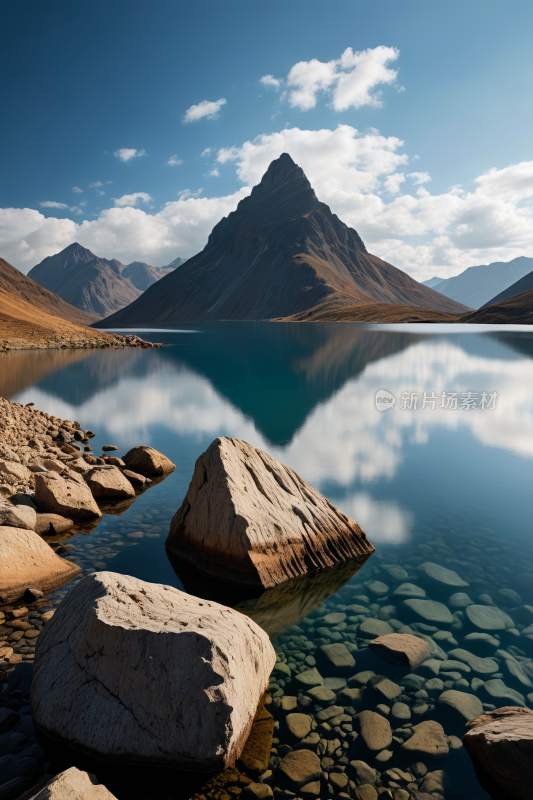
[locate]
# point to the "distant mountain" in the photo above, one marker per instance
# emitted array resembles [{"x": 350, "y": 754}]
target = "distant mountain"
[
  {"x": 14, "y": 284},
  {"x": 432, "y": 282},
  {"x": 141, "y": 275},
  {"x": 95, "y": 285},
  {"x": 517, "y": 310},
  {"x": 173, "y": 264},
  {"x": 521, "y": 286},
  {"x": 477, "y": 285},
  {"x": 281, "y": 252}
]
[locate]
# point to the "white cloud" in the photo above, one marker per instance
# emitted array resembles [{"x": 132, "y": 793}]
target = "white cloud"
[
  {"x": 77, "y": 190},
  {"x": 392, "y": 182},
  {"x": 174, "y": 161},
  {"x": 419, "y": 177},
  {"x": 127, "y": 153},
  {"x": 96, "y": 184},
  {"x": 214, "y": 173},
  {"x": 514, "y": 182},
  {"x": 76, "y": 210},
  {"x": 83, "y": 203},
  {"x": 350, "y": 81},
  {"x": 206, "y": 153},
  {"x": 52, "y": 204},
  {"x": 271, "y": 81},
  {"x": 207, "y": 108},
  {"x": 131, "y": 199}
]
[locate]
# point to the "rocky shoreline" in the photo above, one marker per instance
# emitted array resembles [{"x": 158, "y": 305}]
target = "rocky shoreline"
[{"x": 43, "y": 339}]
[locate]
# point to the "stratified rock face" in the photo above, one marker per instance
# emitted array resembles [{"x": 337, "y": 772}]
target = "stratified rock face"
[
  {"x": 145, "y": 459},
  {"x": 401, "y": 648},
  {"x": 65, "y": 497},
  {"x": 163, "y": 678},
  {"x": 108, "y": 482},
  {"x": 73, "y": 784},
  {"x": 500, "y": 745},
  {"x": 27, "y": 561},
  {"x": 280, "y": 252},
  {"x": 249, "y": 520}
]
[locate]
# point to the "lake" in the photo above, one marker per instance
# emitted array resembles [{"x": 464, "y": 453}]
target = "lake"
[{"x": 421, "y": 433}]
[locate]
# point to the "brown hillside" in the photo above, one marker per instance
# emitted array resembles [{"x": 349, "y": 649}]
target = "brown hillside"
[
  {"x": 517, "y": 310},
  {"x": 17, "y": 284},
  {"x": 372, "y": 312}
]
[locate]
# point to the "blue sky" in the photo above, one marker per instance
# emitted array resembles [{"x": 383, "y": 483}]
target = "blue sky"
[{"x": 429, "y": 96}]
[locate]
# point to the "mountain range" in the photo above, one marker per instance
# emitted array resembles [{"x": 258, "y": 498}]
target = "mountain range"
[
  {"x": 97, "y": 286},
  {"x": 525, "y": 284},
  {"x": 482, "y": 285},
  {"x": 281, "y": 252}
]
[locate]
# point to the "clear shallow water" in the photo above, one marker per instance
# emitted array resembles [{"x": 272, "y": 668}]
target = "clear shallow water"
[{"x": 449, "y": 486}]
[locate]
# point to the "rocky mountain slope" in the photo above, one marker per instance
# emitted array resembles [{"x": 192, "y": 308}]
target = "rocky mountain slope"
[
  {"x": 15, "y": 286},
  {"x": 477, "y": 286},
  {"x": 95, "y": 285},
  {"x": 516, "y": 310},
  {"x": 521, "y": 286},
  {"x": 281, "y": 252}
]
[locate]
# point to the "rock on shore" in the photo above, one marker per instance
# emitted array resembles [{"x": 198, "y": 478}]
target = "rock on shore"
[
  {"x": 27, "y": 562},
  {"x": 250, "y": 520},
  {"x": 163, "y": 678}
]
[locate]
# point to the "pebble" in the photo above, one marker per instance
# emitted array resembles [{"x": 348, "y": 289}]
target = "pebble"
[
  {"x": 459, "y": 600},
  {"x": 463, "y": 705},
  {"x": 430, "y": 610},
  {"x": 372, "y": 628},
  {"x": 441, "y": 575},
  {"x": 409, "y": 590}
]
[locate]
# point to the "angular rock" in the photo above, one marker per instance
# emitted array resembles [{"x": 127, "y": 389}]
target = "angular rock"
[
  {"x": 375, "y": 730},
  {"x": 145, "y": 459},
  {"x": 134, "y": 477},
  {"x": 500, "y": 744},
  {"x": 17, "y": 516},
  {"x": 309, "y": 678},
  {"x": 210, "y": 665},
  {"x": 321, "y": 694},
  {"x": 384, "y": 687},
  {"x": 361, "y": 773},
  {"x": 13, "y": 469},
  {"x": 108, "y": 482},
  {"x": 298, "y": 725},
  {"x": 488, "y": 618},
  {"x": 402, "y": 649},
  {"x": 26, "y": 561},
  {"x": 73, "y": 784},
  {"x": 52, "y": 523},
  {"x": 65, "y": 497},
  {"x": 300, "y": 767},
  {"x": 462, "y": 705},
  {"x": 335, "y": 659},
  {"x": 249, "y": 520},
  {"x": 440, "y": 575},
  {"x": 428, "y": 739},
  {"x": 429, "y": 610}
]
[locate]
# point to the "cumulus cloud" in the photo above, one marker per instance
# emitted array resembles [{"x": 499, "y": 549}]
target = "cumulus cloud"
[
  {"x": 174, "y": 161},
  {"x": 207, "y": 108},
  {"x": 271, "y": 82},
  {"x": 206, "y": 153},
  {"x": 131, "y": 199},
  {"x": 52, "y": 204},
  {"x": 419, "y": 177},
  {"x": 358, "y": 175},
  {"x": 96, "y": 184},
  {"x": 127, "y": 153},
  {"x": 349, "y": 81},
  {"x": 77, "y": 190}
]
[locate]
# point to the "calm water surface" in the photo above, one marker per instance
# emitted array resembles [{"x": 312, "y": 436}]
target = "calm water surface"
[{"x": 451, "y": 486}]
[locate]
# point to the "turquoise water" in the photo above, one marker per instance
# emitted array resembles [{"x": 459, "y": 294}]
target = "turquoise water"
[{"x": 441, "y": 485}]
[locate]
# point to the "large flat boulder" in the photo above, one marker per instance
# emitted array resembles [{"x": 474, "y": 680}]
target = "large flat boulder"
[
  {"x": 403, "y": 649},
  {"x": 250, "y": 520},
  {"x": 145, "y": 459},
  {"x": 27, "y": 562},
  {"x": 65, "y": 496},
  {"x": 500, "y": 744},
  {"x": 52, "y": 523},
  {"x": 163, "y": 678},
  {"x": 108, "y": 482},
  {"x": 17, "y": 516}
]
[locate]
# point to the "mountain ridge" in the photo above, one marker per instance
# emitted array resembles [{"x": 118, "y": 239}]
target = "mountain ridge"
[
  {"x": 476, "y": 286},
  {"x": 519, "y": 287},
  {"x": 281, "y": 252}
]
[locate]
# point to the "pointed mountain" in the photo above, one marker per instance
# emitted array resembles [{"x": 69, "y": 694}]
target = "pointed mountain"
[
  {"x": 280, "y": 252},
  {"x": 140, "y": 274},
  {"x": 94, "y": 285}
]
